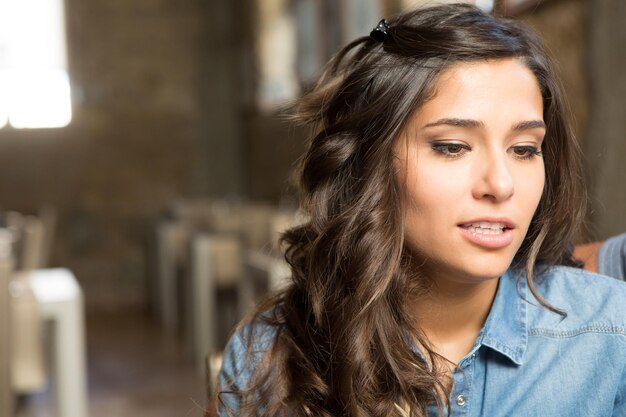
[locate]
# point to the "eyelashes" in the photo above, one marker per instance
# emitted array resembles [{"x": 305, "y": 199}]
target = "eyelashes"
[
  {"x": 526, "y": 152},
  {"x": 450, "y": 149},
  {"x": 453, "y": 150}
]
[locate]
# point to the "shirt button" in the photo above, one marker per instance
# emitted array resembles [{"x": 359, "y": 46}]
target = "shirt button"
[{"x": 460, "y": 400}]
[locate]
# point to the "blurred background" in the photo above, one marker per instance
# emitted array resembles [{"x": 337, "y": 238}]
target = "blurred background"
[{"x": 146, "y": 173}]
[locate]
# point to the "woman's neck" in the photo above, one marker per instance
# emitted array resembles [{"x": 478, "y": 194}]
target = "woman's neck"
[{"x": 452, "y": 314}]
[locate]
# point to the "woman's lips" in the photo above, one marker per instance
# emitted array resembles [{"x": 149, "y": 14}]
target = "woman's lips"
[{"x": 488, "y": 234}]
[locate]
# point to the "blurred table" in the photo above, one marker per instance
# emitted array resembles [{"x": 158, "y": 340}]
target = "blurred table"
[{"x": 61, "y": 302}]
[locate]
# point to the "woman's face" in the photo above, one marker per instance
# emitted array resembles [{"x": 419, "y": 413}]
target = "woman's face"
[{"x": 471, "y": 162}]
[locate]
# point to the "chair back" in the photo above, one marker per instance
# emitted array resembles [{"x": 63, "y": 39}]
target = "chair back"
[
  {"x": 33, "y": 247},
  {"x": 26, "y": 335},
  {"x": 28, "y": 234},
  {"x": 6, "y": 267},
  {"x": 213, "y": 363}
]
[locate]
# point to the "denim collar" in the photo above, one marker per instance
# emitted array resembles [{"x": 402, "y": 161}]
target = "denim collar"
[{"x": 505, "y": 330}]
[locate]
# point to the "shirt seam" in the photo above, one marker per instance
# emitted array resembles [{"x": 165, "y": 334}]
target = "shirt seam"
[{"x": 602, "y": 329}]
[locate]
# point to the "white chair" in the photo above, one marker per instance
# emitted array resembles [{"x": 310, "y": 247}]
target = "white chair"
[
  {"x": 212, "y": 370},
  {"x": 33, "y": 247},
  {"x": 215, "y": 265},
  {"x": 6, "y": 261},
  {"x": 61, "y": 303},
  {"x": 173, "y": 243},
  {"x": 212, "y": 241},
  {"x": 255, "y": 225},
  {"x": 274, "y": 271},
  {"x": 27, "y": 358},
  {"x": 31, "y": 238},
  {"x": 27, "y": 370},
  {"x": 215, "y": 215},
  {"x": 268, "y": 262},
  {"x": 248, "y": 222}
]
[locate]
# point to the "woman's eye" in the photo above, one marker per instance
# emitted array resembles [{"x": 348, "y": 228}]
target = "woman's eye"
[
  {"x": 450, "y": 149},
  {"x": 526, "y": 152}
]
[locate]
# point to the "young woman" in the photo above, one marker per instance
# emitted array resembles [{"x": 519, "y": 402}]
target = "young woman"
[{"x": 442, "y": 188}]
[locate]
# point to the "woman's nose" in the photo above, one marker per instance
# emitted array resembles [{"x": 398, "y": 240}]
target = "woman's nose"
[{"x": 494, "y": 180}]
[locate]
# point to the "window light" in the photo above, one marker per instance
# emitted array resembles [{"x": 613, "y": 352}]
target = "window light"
[{"x": 34, "y": 85}]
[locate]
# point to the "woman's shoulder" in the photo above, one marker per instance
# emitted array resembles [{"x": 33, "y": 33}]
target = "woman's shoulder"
[
  {"x": 245, "y": 350},
  {"x": 588, "y": 299},
  {"x": 242, "y": 356},
  {"x": 256, "y": 333}
]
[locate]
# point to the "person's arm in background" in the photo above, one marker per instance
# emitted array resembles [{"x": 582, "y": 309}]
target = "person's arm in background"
[
  {"x": 607, "y": 257},
  {"x": 588, "y": 254}
]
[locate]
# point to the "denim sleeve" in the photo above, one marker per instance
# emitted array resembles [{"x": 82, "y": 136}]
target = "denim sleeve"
[
  {"x": 230, "y": 378},
  {"x": 241, "y": 357},
  {"x": 612, "y": 257},
  {"x": 619, "y": 408}
]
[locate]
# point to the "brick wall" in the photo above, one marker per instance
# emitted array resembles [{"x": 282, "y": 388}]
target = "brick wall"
[{"x": 156, "y": 116}]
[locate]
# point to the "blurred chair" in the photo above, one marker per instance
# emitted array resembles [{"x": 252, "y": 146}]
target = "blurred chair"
[
  {"x": 173, "y": 241},
  {"x": 265, "y": 273},
  {"x": 30, "y": 296},
  {"x": 212, "y": 368},
  {"x": 266, "y": 268},
  {"x": 215, "y": 268},
  {"x": 213, "y": 363},
  {"x": 26, "y": 330},
  {"x": 6, "y": 266},
  {"x": 215, "y": 259},
  {"x": 29, "y": 240},
  {"x": 61, "y": 304},
  {"x": 255, "y": 225},
  {"x": 26, "y": 335},
  {"x": 248, "y": 222},
  {"x": 33, "y": 237}
]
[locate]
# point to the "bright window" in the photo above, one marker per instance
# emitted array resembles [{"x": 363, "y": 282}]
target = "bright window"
[{"x": 34, "y": 84}]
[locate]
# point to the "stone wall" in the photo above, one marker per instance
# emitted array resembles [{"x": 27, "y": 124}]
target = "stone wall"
[
  {"x": 605, "y": 147},
  {"x": 563, "y": 25},
  {"x": 156, "y": 117}
]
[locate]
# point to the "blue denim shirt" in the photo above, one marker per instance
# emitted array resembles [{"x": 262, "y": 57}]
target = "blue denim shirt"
[{"x": 527, "y": 361}]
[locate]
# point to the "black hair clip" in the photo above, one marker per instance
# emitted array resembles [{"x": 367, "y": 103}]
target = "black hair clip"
[{"x": 381, "y": 32}]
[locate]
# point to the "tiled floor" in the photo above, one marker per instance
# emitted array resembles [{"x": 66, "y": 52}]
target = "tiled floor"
[{"x": 135, "y": 370}]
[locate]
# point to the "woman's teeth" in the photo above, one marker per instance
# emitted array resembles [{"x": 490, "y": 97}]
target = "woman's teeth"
[{"x": 486, "y": 228}]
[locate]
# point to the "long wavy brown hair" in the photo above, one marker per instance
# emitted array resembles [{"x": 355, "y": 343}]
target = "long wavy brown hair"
[{"x": 340, "y": 345}]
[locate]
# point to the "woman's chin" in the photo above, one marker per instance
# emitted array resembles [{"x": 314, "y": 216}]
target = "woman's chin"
[{"x": 466, "y": 273}]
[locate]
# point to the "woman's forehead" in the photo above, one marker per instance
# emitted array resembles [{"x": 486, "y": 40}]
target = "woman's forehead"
[{"x": 501, "y": 91}]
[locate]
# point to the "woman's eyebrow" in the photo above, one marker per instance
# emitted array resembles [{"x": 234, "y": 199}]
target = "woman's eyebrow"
[
  {"x": 466, "y": 123},
  {"x": 474, "y": 124},
  {"x": 529, "y": 124}
]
